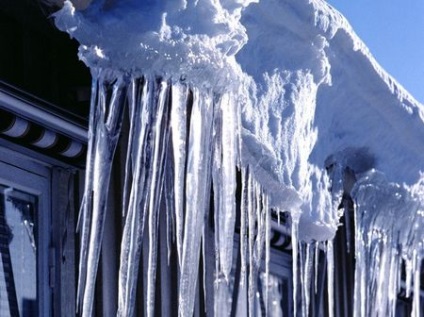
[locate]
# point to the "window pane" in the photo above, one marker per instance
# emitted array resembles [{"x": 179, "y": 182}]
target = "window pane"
[{"x": 18, "y": 265}]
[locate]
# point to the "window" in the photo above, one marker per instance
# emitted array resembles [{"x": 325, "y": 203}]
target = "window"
[
  {"x": 41, "y": 159},
  {"x": 18, "y": 249},
  {"x": 25, "y": 215}
]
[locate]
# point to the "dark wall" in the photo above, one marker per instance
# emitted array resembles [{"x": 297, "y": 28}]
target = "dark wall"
[{"x": 39, "y": 59}]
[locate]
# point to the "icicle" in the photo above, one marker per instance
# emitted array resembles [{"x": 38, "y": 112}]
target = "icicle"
[
  {"x": 393, "y": 283},
  {"x": 381, "y": 295},
  {"x": 259, "y": 224},
  {"x": 243, "y": 226},
  {"x": 295, "y": 252},
  {"x": 135, "y": 92},
  {"x": 260, "y": 219},
  {"x": 220, "y": 284},
  {"x": 267, "y": 250},
  {"x": 169, "y": 202},
  {"x": 416, "y": 307},
  {"x": 179, "y": 136},
  {"x": 302, "y": 267},
  {"x": 307, "y": 271},
  {"x": 132, "y": 237},
  {"x": 381, "y": 241},
  {"x": 107, "y": 131},
  {"x": 306, "y": 257},
  {"x": 84, "y": 220},
  {"x": 251, "y": 203},
  {"x": 159, "y": 140},
  {"x": 317, "y": 252},
  {"x": 222, "y": 297},
  {"x": 198, "y": 176},
  {"x": 227, "y": 214},
  {"x": 359, "y": 285},
  {"x": 330, "y": 278}
]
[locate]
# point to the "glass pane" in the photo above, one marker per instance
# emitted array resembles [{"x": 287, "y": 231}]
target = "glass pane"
[{"x": 18, "y": 265}]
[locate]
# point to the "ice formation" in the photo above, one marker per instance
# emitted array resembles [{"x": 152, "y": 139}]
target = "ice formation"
[{"x": 283, "y": 92}]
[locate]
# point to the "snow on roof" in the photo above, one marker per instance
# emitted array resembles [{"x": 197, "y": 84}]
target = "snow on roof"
[{"x": 311, "y": 91}]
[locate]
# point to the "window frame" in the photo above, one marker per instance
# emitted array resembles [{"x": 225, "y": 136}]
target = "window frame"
[
  {"x": 32, "y": 178},
  {"x": 61, "y": 165}
]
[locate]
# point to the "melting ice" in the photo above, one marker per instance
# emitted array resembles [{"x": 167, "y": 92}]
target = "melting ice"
[{"x": 267, "y": 99}]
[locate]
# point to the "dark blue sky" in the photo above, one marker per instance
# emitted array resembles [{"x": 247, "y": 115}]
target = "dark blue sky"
[{"x": 393, "y": 30}]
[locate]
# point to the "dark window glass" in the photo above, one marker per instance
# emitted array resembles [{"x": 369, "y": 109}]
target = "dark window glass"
[{"x": 18, "y": 248}]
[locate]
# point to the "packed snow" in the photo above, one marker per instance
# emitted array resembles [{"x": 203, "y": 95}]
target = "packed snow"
[{"x": 283, "y": 91}]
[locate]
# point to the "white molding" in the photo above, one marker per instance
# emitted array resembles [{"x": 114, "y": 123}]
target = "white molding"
[{"x": 47, "y": 119}]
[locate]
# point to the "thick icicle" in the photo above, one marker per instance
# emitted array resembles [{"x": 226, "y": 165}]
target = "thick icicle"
[
  {"x": 227, "y": 212},
  {"x": 307, "y": 266},
  {"x": 198, "y": 177},
  {"x": 169, "y": 197},
  {"x": 417, "y": 287},
  {"x": 134, "y": 108},
  {"x": 107, "y": 134},
  {"x": 179, "y": 137},
  {"x": 132, "y": 237},
  {"x": 221, "y": 284},
  {"x": 251, "y": 204},
  {"x": 224, "y": 184},
  {"x": 159, "y": 140},
  {"x": 393, "y": 288}
]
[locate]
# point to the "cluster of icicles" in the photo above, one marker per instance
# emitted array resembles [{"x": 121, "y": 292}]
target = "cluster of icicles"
[
  {"x": 181, "y": 142},
  {"x": 182, "y": 145}
]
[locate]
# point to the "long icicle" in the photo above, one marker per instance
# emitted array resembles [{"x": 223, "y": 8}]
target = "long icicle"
[
  {"x": 417, "y": 285},
  {"x": 179, "y": 143},
  {"x": 307, "y": 271},
  {"x": 160, "y": 142},
  {"x": 302, "y": 274},
  {"x": 108, "y": 131},
  {"x": 267, "y": 250},
  {"x": 251, "y": 203},
  {"x": 227, "y": 208},
  {"x": 243, "y": 226},
  {"x": 84, "y": 220},
  {"x": 330, "y": 278},
  {"x": 221, "y": 285},
  {"x": 134, "y": 108},
  {"x": 198, "y": 176},
  {"x": 132, "y": 237}
]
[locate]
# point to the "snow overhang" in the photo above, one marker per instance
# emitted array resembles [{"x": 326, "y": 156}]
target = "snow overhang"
[{"x": 308, "y": 86}]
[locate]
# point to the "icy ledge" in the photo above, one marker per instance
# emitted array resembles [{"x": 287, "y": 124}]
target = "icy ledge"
[{"x": 282, "y": 89}]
